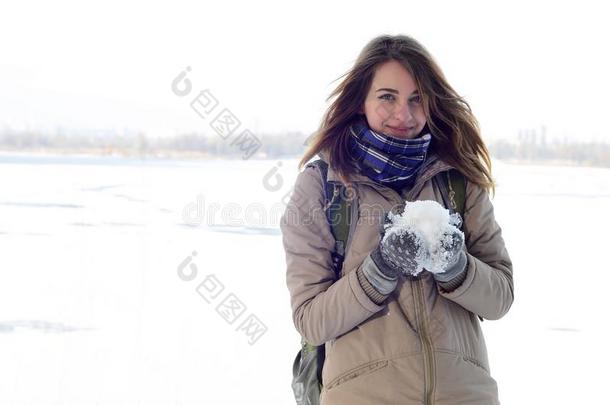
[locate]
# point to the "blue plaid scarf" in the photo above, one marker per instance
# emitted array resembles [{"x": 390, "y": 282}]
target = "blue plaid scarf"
[{"x": 391, "y": 161}]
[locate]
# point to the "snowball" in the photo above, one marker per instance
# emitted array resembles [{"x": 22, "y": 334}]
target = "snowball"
[{"x": 432, "y": 224}]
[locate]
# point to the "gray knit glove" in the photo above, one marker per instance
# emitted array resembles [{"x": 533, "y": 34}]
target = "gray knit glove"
[
  {"x": 452, "y": 246},
  {"x": 397, "y": 253},
  {"x": 400, "y": 253},
  {"x": 382, "y": 278}
]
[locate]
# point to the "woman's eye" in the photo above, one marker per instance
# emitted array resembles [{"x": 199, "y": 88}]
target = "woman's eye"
[
  {"x": 390, "y": 97},
  {"x": 385, "y": 97}
]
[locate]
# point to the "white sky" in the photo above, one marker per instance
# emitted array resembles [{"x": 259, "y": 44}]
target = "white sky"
[{"x": 110, "y": 64}]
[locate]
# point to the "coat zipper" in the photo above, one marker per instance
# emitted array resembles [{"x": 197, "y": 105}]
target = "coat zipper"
[
  {"x": 354, "y": 218},
  {"x": 429, "y": 381}
]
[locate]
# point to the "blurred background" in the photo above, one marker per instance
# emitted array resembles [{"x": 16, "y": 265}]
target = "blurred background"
[{"x": 147, "y": 152}]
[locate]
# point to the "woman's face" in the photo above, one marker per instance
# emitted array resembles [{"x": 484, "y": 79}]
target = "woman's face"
[{"x": 393, "y": 103}]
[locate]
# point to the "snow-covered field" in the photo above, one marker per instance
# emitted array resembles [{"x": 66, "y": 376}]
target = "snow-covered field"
[{"x": 126, "y": 282}]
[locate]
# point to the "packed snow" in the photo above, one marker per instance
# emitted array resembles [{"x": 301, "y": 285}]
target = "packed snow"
[{"x": 435, "y": 229}]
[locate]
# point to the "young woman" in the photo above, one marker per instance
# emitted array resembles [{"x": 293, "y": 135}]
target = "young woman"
[{"x": 391, "y": 337}]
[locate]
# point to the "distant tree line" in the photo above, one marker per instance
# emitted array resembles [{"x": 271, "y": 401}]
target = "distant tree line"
[
  {"x": 528, "y": 147},
  {"x": 141, "y": 145},
  {"x": 533, "y": 147}
]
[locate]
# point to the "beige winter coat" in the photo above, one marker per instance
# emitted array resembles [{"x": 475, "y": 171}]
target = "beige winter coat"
[{"x": 423, "y": 345}]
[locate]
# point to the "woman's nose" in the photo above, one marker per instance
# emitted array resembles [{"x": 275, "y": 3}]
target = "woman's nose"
[{"x": 403, "y": 113}]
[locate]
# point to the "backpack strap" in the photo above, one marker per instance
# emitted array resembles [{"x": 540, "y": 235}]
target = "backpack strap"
[
  {"x": 457, "y": 190},
  {"x": 453, "y": 190},
  {"x": 338, "y": 214}
]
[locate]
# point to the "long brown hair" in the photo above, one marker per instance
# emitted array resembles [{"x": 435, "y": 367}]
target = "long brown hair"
[{"x": 455, "y": 131}]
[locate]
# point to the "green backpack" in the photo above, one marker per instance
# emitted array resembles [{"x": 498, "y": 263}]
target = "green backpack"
[{"x": 308, "y": 363}]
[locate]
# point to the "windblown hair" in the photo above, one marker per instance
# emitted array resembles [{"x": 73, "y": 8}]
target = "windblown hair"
[{"x": 455, "y": 131}]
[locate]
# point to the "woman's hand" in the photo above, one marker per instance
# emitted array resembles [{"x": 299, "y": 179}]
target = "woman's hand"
[
  {"x": 399, "y": 252},
  {"x": 454, "y": 256}
]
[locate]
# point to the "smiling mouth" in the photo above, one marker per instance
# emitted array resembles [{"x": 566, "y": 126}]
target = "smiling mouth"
[{"x": 400, "y": 129}]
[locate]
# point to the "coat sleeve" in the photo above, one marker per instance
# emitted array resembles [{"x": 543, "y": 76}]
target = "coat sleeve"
[
  {"x": 488, "y": 288},
  {"x": 322, "y": 307}
]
